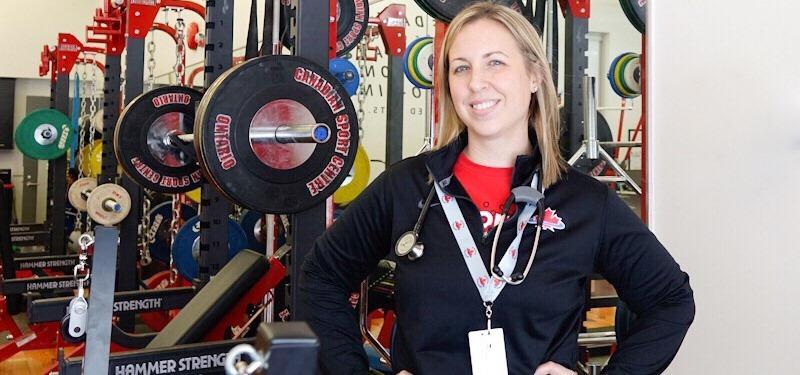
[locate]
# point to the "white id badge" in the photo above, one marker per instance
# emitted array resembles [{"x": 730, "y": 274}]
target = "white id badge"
[{"x": 487, "y": 352}]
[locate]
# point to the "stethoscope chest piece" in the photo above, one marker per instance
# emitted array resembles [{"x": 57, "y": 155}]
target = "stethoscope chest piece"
[{"x": 407, "y": 245}]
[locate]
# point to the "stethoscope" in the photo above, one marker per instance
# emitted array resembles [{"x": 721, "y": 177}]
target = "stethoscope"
[{"x": 408, "y": 245}]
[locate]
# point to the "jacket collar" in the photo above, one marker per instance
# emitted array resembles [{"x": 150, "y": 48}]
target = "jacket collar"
[{"x": 440, "y": 162}]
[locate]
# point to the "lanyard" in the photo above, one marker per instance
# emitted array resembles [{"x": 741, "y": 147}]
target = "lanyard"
[{"x": 488, "y": 287}]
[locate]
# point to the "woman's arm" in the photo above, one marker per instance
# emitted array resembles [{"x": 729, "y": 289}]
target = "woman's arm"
[
  {"x": 649, "y": 280},
  {"x": 341, "y": 258}
]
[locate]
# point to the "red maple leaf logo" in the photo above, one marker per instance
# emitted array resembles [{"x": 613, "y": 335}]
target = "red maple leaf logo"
[
  {"x": 458, "y": 225},
  {"x": 497, "y": 282},
  {"x": 513, "y": 253},
  {"x": 482, "y": 281},
  {"x": 447, "y": 198},
  {"x": 551, "y": 220},
  {"x": 469, "y": 252}
]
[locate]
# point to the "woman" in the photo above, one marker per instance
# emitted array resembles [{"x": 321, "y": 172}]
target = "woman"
[{"x": 499, "y": 130}]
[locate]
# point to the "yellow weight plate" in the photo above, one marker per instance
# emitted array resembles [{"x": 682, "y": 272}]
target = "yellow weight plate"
[
  {"x": 92, "y": 158},
  {"x": 356, "y": 180},
  {"x": 194, "y": 195}
]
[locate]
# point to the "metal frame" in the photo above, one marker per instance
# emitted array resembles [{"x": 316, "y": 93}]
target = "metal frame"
[
  {"x": 57, "y": 172},
  {"x": 214, "y": 209},
  {"x": 311, "y": 42},
  {"x": 52, "y": 309},
  {"x": 167, "y": 356}
]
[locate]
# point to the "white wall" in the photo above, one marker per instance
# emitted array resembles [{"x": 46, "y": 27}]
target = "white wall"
[{"x": 724, "y": 156}]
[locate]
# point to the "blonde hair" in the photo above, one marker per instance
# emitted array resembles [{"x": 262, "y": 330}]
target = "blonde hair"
[{"x": 543, "y": 112}]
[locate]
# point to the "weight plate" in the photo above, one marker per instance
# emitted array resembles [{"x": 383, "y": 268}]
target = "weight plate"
[
  {"x": 415, "y": 67},
  {"x": 160, "y": 220},
  {"x": 617, "y": 76},
  {"x": 614, "y": 73},
  {"x": 108, "y": 204},
  {"x": 142, "y": 142},
  {"x": 44, "y": 134},
  {"x": 445, "y": 10},
  {"x": 82, "y": 185},
  {"x": 356, "y": 180},
  {"x": 635, "y": 12},
  {"x": 194, "y": 195},
  {"x": 254, "y": 228},
  {"x": 346, "y": 72},
  {"x": 418, "y": 62},
  {"x": 630, "y": 76},
  {"x": 257, "y": 96},
  {"x": 427, "y": 9},
  {"x": 185, "y": 252},
  {"x": 92, "y": 158},
  {"x": 352, "y": 17},
  {"x": 424, "y": 61}
]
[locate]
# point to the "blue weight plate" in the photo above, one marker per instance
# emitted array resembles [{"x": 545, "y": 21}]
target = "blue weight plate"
[
  {"x": 249, "y": 220},
  {"x": 184, "y": 250},
  {"x": 253, "y": 229},
  {"x": 611, "y": 69},
  {"x": 347, "y": 73},
  {"x": 160, "y": 219},
  {"x": 409, "y": 59}
]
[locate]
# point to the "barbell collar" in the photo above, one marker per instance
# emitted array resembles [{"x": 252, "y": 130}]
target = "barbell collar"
[{"x": 111, "y": 205}]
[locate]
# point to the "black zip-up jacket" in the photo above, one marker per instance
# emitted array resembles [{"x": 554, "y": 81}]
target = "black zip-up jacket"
[{"x": 437, "y": 303}]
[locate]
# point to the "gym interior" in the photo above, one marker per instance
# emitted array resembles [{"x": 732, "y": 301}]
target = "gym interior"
[{"x": 143, "y": 232}]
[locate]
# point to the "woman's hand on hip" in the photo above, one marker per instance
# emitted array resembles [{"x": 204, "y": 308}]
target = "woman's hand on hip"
[{"x": 552, "y": 368}]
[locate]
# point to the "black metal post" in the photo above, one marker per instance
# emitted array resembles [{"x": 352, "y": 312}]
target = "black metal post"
[
  {"x": 13, "y": 301},
  {"x": 311, "y": 43},
  {"x": 57, "y": 179},
  {"x": 394, "y": 113},
  {"x": 108, "y": 166},
  {"x": 127, "y": 278},
  {"x": 214, "y": 209},
  {"x": 575, "y": 62}
]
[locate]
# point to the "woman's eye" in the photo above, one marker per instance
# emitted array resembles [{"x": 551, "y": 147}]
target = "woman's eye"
[
  {"x": 459, "y": 69},
  {"x": 495, "y": 62}
]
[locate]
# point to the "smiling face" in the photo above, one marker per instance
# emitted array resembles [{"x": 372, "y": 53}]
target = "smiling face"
[{"x": 490, "y": 83}]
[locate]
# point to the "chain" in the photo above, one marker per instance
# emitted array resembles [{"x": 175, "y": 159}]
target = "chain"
[
  {"x": 180, "y": 50},
  {"x": 145, "y": 239},
  {"x": 92, "y": 86},
  {"x": 151, "y": 61},
  {"x": 361, "y": 94},
  {"x": 84, "y": 241},
  {"x": 84, "y": 98},
  {"x": 174, "y": 225}
]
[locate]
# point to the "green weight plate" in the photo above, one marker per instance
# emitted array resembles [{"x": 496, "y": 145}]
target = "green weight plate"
[
  {"x": 44, "y": 134},
  {"x": 618, "y": 77},
  {"x": 620, "y": 74},
  {"x": 635, "y": 12},
  {"x": 627, "y": 75},
  {"x": 413, "y": 69},
  {"x": 422, "y": 58},
  {"x": 613, "y": 78}
]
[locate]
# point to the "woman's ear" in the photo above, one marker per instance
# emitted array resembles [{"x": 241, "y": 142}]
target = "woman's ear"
[{"x": 534, "y": 83}]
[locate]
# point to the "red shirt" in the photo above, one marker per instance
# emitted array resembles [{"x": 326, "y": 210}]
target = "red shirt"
[{"x": 488, "y": 187}]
